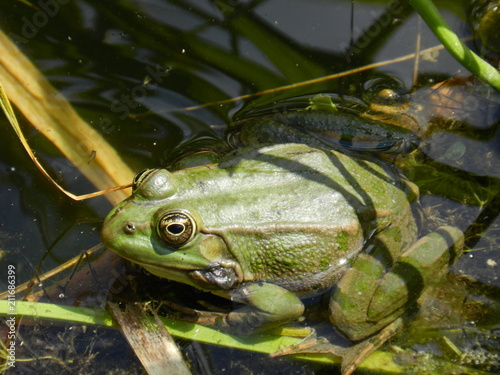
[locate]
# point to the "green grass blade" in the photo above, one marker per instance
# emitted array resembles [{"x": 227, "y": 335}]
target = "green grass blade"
[
  {"x": 379, "y": 361},
  {"x": 454, "y": 45},
  {"x": 263, "y": 343}
]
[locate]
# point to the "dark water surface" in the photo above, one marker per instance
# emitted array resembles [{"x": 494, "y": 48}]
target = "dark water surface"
[{"x": 130, "y": 68}]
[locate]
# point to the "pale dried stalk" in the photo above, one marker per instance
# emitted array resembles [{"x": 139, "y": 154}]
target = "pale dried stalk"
[{"x": 52, "y": 115}]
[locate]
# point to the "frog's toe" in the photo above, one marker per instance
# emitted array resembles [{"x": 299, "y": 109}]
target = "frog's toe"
[
  {"x": 351, "y": 356},
  {"x": 311, "y": 344},
  {"x": 206, "y": 318}
]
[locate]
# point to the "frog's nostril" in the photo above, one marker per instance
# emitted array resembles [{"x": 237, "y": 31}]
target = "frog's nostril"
[{"x": 129, "y": 228}]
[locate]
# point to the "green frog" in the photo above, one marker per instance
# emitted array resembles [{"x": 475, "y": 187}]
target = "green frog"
[{"x": 270, "y": 224}]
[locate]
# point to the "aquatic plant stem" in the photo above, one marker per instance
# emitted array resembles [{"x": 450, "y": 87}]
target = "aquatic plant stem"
[{"x": 454, "y": 45}]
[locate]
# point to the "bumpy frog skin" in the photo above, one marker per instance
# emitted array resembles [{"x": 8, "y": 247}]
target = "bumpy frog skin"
[
  {"x": 249, "y": 216},
  {"x": 269, "y": 225}
]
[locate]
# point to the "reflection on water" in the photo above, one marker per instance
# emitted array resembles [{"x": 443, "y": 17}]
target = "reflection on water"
[{"x": 129, "y": 68}]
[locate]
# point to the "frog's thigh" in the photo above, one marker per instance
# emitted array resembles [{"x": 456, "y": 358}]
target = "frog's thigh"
[
  {"x": 367, "y": 298},
  {"x": 266, "y": 306},
  {"x": 350, "y": 300}
]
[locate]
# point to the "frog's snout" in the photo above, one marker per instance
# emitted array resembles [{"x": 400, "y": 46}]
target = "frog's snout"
[{"x": 115, "y": 226}]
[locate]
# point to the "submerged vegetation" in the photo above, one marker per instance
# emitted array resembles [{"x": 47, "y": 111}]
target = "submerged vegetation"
[{"x": 146, "y": 79}]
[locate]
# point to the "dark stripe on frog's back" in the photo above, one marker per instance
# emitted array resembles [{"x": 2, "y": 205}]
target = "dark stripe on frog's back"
[
  {"x": 221, "y": 202},
  {"x": 316, "y": 181},
  {"x": 314, "y": 165}
]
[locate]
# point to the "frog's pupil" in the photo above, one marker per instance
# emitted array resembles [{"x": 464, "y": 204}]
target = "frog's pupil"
[{"x": 176, "y": 228}]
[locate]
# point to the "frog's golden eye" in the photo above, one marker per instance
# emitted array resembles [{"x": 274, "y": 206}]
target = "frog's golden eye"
[
  {"x": 176, "y": 227},
  {"x": 140, "y": 177}
]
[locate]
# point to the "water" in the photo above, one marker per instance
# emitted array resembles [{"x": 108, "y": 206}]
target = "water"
[{"x": 129, "y": 69}]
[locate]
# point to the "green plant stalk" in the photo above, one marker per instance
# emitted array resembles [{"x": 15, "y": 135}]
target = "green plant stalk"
[
  {"x": 263, "y": 343},
  {"x": 454, "y": 45},
  {"x": 379, "y": 361}
]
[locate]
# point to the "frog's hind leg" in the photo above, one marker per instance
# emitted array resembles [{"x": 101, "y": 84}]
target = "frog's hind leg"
[
  {"x": 424, "y": 264},
  {"x": 369, "y": 297}
]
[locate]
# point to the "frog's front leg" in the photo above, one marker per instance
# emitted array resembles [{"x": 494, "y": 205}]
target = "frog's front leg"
[
  {"x": 266, "y": 306},
  {"x": 369, "y": 297}
]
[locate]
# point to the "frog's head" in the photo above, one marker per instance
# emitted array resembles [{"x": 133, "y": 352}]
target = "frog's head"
[{"x": 151, "y": 230}]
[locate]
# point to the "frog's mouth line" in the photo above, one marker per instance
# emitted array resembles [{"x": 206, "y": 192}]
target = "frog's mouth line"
[
  {"x": 210, "y": 278},
  {"x": 217, "y": 275},
  {"x": 162, "y": 270}
]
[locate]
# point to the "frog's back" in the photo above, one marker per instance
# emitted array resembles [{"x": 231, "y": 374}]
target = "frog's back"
[{"x": 290, "y": 211}]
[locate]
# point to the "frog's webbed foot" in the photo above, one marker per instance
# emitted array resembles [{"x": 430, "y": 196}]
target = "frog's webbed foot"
[
  {"x": 312, "y": 344},
  {"x": 256, "y": 314},
  {"x": 205, "y": 318},
  {"x": 352, "y": 356}
]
